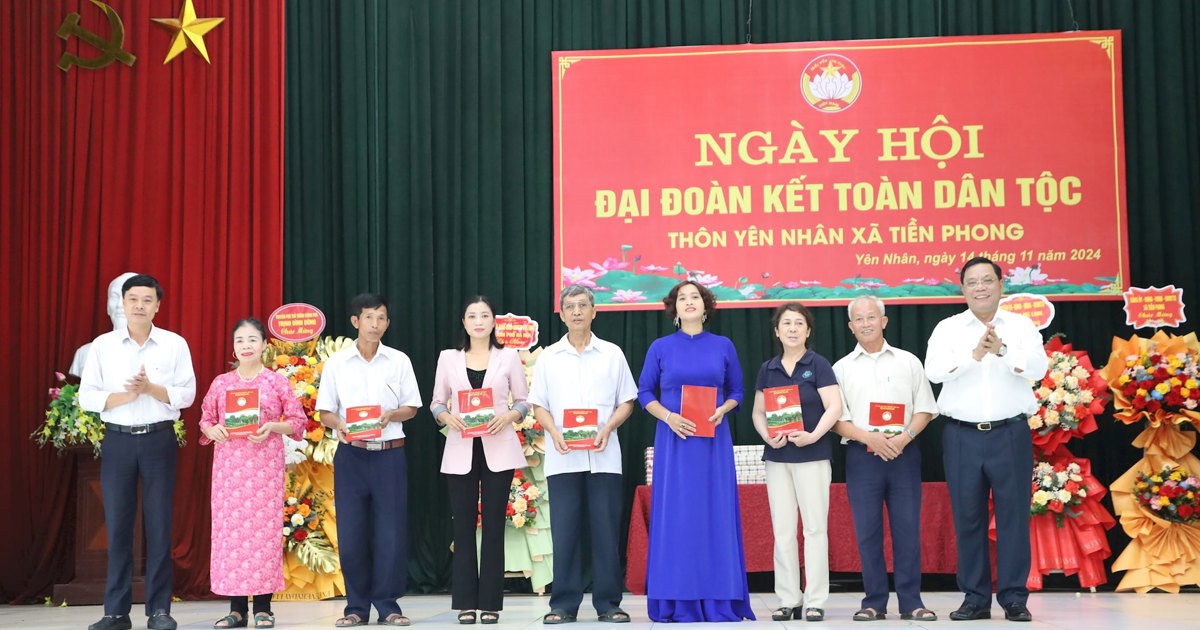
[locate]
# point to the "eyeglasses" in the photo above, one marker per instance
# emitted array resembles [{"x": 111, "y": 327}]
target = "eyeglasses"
[
  {"x": 985, "y": 282},
  {"x": 576, "y": 306}
]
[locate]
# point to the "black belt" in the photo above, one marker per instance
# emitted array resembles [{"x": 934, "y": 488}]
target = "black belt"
[
  {"x": 988, "y": 426},
  {"x": 139, "y": 429}
]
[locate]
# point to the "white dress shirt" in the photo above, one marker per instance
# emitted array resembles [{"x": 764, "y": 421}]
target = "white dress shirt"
[
  {"x": 891, "y": 375},
  {"x": 349, "y": 380},
  {"x": 115, "y": 358},
  {"x": 993, "y": 388},
  {"x": 598, "y": 378}
]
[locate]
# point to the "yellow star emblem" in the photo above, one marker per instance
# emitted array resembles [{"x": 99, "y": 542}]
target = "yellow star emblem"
[{"x": 189, "y": 31}]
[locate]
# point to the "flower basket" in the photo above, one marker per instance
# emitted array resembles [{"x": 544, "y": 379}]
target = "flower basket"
[
  {"x": 1069, "y": 397},
  {"x": 68, "y": 427}
]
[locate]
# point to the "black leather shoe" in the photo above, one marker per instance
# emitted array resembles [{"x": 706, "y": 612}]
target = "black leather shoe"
[
  {"x": 161, "y": 620},
  {"x": 112, "y": 622},
  {"x": 968, "y": 612},
  {"x": 1017, "y": 612}
]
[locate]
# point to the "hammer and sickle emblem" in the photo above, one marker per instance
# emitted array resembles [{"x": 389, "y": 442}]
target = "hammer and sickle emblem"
[{"x": 112, "y": 49}]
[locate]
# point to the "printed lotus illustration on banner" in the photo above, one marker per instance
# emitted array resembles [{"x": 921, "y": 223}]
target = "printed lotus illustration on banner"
[{"x": 824, "y": 170}]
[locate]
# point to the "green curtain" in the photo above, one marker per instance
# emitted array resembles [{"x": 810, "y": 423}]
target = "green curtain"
[{"x": 418, "y": 164}]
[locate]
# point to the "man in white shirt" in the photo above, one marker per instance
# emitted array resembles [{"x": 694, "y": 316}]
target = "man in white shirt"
[
  {"x": 582, "y": 371},
  {"x": 884, "y": 467},
  {"x": 985, "y": 358},
  {"x": 370, "y": 479},
  {"x": 137, "y": 378}
]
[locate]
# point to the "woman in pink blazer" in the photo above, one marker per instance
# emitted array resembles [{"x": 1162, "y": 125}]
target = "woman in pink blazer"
[{"x": 479, "y": 471}]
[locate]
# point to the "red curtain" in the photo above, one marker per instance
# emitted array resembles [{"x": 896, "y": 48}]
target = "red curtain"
[{"x": 173, "y": 169}]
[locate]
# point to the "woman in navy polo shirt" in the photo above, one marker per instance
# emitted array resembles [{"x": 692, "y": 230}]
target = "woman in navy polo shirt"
[{"x": 797, "y": 464}]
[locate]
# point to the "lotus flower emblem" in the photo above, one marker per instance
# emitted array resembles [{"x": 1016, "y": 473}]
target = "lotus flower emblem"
[{"x": 831, "y": 85}]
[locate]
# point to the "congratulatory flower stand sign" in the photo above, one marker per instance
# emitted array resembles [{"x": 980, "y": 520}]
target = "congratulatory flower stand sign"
[{"x": 823, "y": 170}]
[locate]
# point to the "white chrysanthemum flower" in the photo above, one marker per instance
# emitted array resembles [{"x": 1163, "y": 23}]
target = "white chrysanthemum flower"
[{"x": 293, "y": 452}]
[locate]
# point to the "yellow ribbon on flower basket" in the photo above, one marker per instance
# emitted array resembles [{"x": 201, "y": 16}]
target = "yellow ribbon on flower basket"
[
  {"x": 1161, "y": 554},
  {"x": 302, "y": 583}
]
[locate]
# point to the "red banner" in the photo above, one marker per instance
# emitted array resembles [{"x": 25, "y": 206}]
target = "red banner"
[{"x": 823, "y": 170}]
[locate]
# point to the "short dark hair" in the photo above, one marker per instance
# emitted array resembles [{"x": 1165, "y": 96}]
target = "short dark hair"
[
  {"x": 794, "y": 307},
  {"x": 710, "y": 300},
  {"x": 142, "y": 280},
  {"x": 979, "y": 260},
  {"x": 249, "y": 321},
  {"x": 363, "y": 301},
  {"x": 464, "y": 341}
]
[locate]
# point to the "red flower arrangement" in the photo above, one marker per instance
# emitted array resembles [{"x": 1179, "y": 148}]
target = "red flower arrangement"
[
  {"x": 303, "y": 528},
  {"x": 524, "y": 497},
  {"x": 1069, "y": 397},
  {"x": 1172, "y": 494},
  {"x": 1057, "y": 488},
  {"x": 1155, "y": 378}
]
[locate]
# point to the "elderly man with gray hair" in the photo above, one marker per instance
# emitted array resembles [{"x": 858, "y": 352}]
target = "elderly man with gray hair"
[
  {"x": 887, "y": 402},
  {"x": 584, "y": 376}
]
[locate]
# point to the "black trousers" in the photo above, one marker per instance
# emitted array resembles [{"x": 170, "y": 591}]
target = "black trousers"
[
  {"x": 126, "y": 459},
  {"x": 478, "y": 581},
  {"x": 591, "y": 502},
  {"x": 241, "y": 604},
  {"x": 999, "y": 461}
]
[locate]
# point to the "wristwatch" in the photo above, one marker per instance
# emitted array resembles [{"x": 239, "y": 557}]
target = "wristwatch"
[
  {"x": 910, "y": 432},
  {"x": 1003, "y": 350}
]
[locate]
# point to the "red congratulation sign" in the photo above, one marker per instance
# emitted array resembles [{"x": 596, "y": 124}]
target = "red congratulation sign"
[
  {"x": 516, "y": 331},
  {"x": 296, "y": 322},
  {"x": 1036, "y": 307},
  {"x": 823, "y": 170},
  {"x": 1154, "y": 307}
]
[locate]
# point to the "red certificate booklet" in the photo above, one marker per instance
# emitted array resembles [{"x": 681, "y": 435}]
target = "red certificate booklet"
[
  {"x": 887, "y": 417},
  {"x": 783, "y": 410},
  {"x": 362, "y": 423},
  {"x": 699, "y": 404},
  {"x": 580, "y": 427},
  {"x": 241, "y": 412},
  {"x": 476, "y": 410}
]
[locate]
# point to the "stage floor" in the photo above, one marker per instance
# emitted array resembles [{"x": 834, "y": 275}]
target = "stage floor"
[{"x": 1094, "y": 611}]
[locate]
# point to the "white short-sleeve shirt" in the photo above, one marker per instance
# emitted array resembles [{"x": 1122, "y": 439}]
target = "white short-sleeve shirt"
[
  {"x": 349, "y": 380},
  {"x": 597, "y": 378}
]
